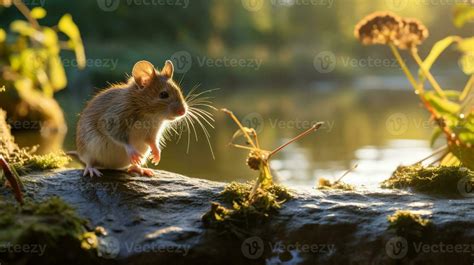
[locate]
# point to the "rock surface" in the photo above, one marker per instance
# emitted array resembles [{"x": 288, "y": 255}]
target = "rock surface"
[{"x": 158, "y": 221}]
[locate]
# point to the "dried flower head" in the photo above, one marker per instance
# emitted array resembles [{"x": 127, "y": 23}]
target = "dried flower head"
[
  {"x": 254, "y": 159},
  {"x": 412, "y": 34},
  {"x": 379, "y": 28}
]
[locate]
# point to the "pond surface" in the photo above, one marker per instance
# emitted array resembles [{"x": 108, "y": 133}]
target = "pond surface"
[{"x": 375, "y": 129}]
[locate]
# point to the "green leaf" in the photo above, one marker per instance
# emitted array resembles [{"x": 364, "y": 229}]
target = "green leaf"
[
  {"x": 436, "y": 51},
  {"x": 466, "y": 45},
  {"x": 57, "y": 73},
  {"x": 3, "y": 35},
  {"x": 463, "y": 14},
  {"x": 23, "y": 28},
  {"x": 38, "y": 13},
  {"x": 68, "y": 27},
  {"x": 442, "y": 106}
]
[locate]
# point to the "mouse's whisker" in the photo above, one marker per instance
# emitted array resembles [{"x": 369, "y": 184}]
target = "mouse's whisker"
[
  {"x": 205, "y": 131},
  {"x": 206, "y": 114},
  {"x": 198, "y": 115}
]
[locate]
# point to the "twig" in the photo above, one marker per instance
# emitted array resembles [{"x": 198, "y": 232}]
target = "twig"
[{"x": 301, "y": 135}]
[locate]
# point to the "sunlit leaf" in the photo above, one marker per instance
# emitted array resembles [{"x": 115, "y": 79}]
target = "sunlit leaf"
[
  {"x": 57, "y": 73},
  {"x": 3, "y": 35},
  {"x": 467, "y": 64},
  {"x": 463, "y": 14},
  {"x": 23, "y": 28},
  {"x": 466, "y": 45},
  {"x": 437, "y": 49},
  {"x": 68, "y": 27},
  {"x": 441, "y": 105},
  {"x": 38, "y": 13}
]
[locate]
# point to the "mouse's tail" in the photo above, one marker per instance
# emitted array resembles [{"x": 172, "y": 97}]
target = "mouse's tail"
[{"x": 75, "y": 155}]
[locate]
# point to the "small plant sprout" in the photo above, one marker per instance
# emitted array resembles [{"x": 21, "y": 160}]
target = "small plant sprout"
[
  {"x": 324, "y": 183},
  {"x": 12, "y": 179},
  {"x": 258, "y": 158}
]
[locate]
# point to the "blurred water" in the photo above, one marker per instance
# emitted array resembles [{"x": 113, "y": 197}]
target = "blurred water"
[{"x": 376, "y": 129}]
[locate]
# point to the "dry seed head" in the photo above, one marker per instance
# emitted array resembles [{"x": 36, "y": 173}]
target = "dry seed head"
[
  {"x": 379, "y": 28},
  {"x": 254, "y": 160},
  {"x": 412, "y": 34}
]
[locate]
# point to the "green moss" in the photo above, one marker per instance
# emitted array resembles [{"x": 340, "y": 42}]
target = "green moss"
[
  {"x": 243, "y": 213},
  {"x": 325, "y": 184},
  {"x": 22, "y": 159},
  {"x": 51, "y": 224},
  {"x": 48, "y": 161},
  {"x": 435, "y": 180},
  {"x": 408, "y": 224}
]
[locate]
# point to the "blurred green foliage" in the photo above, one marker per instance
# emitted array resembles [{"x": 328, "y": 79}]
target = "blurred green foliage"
[{"x": 30, "y": 53}]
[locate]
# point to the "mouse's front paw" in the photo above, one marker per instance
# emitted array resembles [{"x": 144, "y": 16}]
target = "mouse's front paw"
[
  {"x": 135, "y": 157},
  {"x": 156, "y": 157}
]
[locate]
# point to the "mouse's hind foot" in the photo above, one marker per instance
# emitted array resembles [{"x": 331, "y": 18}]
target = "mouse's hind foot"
[
  {"x": 91, "y": 171},
  {"x": 141, "y": 171}
]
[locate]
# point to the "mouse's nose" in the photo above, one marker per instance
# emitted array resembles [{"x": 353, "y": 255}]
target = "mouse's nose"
[{"x": 181, "y": 111}]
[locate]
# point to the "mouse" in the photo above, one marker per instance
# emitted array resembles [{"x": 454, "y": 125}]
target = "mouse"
[{"x": 122, "y": 126}]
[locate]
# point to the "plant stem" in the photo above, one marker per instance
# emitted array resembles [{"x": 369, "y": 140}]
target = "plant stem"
[
  {"x": 467, "y": 89},
  {"x": 241, "y": 127},
  {"x": 427, "y": 74},
  {"x": 405, "y": 69},
  {"x": 26, "y": 12},
  {"x": 299, "y": 136}
]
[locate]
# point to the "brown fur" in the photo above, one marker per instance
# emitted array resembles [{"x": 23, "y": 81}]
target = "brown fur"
[{"x": 127, "y": 114}]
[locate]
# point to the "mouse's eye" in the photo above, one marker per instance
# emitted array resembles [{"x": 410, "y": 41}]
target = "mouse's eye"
[{"x": 164, "y": 95}]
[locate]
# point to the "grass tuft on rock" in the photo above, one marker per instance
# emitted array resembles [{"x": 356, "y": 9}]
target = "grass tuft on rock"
[
  {"x": 241, "y": 212},
  {"x": 52, "y": 224},
  {"x": 434, "y": 179},
  {"x": 408, "y": 224},
  {"x": 326, "y": 184}
]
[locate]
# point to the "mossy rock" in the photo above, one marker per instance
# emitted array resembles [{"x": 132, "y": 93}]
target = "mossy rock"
[
  {"x": 442, "y": 180},
  {"x": 48, "y": 232}
]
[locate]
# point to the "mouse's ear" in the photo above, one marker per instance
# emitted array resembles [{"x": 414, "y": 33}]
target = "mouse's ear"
[
  {"x": 143, "y": 72},
  {"x": 168, "y": 69}
]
